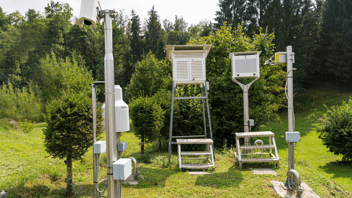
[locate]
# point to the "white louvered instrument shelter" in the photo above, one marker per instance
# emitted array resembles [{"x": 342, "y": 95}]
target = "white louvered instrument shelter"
[
  {"x": 245, "y": 64},
  {"x": 188, "y": 63}
]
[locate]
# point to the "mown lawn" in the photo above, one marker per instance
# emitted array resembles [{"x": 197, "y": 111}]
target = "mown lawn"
[{"x": 26, "y": 170}]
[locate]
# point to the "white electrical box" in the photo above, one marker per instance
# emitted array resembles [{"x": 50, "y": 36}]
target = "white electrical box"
[
  {"x": 280, "y": 57},
  {"x": 122, "y": 116},
  {"x": 99, "y": 147},
  {"x": 293, "y": 136},
  {"x": 122, "y": 169},
  {"x": 88, "y": 13},
  {"x": 188, "y": 63},
  {"x": 245, "y": 64}
]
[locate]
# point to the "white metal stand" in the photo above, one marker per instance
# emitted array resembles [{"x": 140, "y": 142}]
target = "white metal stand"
[{"x": 201, "y": 141}]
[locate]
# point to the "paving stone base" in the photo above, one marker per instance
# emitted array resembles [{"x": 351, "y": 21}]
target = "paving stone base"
[{"x": 307, "y": 191}]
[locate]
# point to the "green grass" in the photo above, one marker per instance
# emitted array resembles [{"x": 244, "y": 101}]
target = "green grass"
[{"x": 26, "y": 170}]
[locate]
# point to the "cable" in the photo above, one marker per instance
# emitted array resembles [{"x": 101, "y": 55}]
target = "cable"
[{"x": 101, "y": 193}]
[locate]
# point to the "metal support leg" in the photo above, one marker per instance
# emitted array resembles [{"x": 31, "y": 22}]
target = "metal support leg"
[
  {"x": 210, "y": 130},
  {"x": 204, "y": 119},
  {"x": 171, "y": 119}
]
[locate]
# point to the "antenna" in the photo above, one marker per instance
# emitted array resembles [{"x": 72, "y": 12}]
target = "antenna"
[{"x": 100, "y": 5}]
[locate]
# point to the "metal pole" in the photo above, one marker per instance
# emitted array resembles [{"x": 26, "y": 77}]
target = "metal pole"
[
  {"x": 204, "y": 119},
  {"x": 245, "y": 113},
  {"x": 109, "y": 105},
  {"x": 94, "y": 110},
  {"x": 171, "y": 119},
  {"x": 245, "y": 108},
  {"x": 290, "y": 106},
  {"x": 210, "y": 129}
]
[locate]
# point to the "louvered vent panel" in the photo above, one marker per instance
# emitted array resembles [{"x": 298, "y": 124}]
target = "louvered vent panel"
[
  {"x": 197, "y": 70},
  {"x": 182, "y": 70},
  {"x": 245, "y": 66},
  {"x": 188, "y": 55}
]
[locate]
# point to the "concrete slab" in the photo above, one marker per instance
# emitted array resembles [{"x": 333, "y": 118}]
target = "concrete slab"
[
  {"x": 307, "y": 191},
  {"x": 263, "y": 171},
  {"x": 198, "y": 173}
]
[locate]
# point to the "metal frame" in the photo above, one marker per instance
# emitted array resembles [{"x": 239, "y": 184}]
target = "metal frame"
[
  {"x": 245, "y": 89},
  {"x": 174, "y": 84},
  {"x": 292, "y": 175}
]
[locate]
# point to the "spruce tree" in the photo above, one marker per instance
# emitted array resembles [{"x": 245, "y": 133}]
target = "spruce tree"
[{"x": 154, "y": 35}]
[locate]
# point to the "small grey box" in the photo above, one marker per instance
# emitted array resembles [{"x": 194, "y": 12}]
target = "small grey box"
[
  {"x": 251, "y": 122},
  {"x": 122, "y": 146},
  {"x": 293, "y": 136},
  {"x": 122, "y": 169}
]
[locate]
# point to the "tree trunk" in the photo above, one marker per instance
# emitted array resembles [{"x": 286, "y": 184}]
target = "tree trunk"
[
  {"x": 142, "y": 146},
  {"x": 159, "y": 145},
  {"x": 69, "y": 183}
]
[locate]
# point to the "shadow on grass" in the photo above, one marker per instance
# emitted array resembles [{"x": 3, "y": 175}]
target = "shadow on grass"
[
  {"x": 85, "y": 190},
  {"x": 230, "y": 179},
  {"x": 338, "y": 169},
  {"x": 153, "y": 177}
]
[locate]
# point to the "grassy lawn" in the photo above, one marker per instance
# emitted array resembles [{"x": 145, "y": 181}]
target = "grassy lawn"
[{"x": 26, "y": 170}]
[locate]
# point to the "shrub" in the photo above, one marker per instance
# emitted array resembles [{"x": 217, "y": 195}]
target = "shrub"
[
  {"x": 150, "y": 76},
  {"x": 336, "y": 131},
  {"x": 26, "y": 125},
  {"x": 60, "y": 75},
  {"x": 148, "y": 119},
  {"x": 69, "y": 132},
  {"x": 19, "y": 103},
  {"x": 7, "y": 124}
]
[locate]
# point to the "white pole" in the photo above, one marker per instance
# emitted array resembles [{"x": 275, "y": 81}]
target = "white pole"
[
  {"x": 290, "y": 105},
  {"x": 109, "y": 105}
]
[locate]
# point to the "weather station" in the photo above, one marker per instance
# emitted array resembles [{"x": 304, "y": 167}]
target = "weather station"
[
  {"x": 246, "y": 65},
  {"x": 189, "y": 68},
  {"x": 293, "y": 180},
  {"x": 115, "y": 110}
]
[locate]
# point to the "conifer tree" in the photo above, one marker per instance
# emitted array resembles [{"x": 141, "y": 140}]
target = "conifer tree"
[{"x": 154, "y": 35}]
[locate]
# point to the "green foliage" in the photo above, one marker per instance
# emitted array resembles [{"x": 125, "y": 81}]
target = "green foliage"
[
  {"x": 19, "y": 103},
  {"x": 60, "y": 76},
  {"x": 177, "y": 38},
  {"x": 151, "y": 75},
  {"x": 336, "y": 131},
  {"x": 154, "y": 35},
  {"x": 226, "y": 97},
  {"x": 6, "y": 124},
  {"x": 69, "y": 129},
  {"x": 26, "y": 125},
  {"x": 147, "y": 117}
]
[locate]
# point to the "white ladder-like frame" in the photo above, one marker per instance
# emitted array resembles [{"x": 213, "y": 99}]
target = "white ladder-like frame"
[
  {"x": 209, "y": 153},
  {"x": 272, "y": 145}
]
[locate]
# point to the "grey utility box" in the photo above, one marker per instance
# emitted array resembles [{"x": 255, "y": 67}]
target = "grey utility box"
[
  {"x": 293, "y": 136},
  {"x": 122, "y": 146},
  {"x": 188, "y": 63},
  {"x": 245, "y": 64},
  {"x": 99, "y": 147},
  {"x": 122, "y": 169},
  {"x": 251, "y": 122}
]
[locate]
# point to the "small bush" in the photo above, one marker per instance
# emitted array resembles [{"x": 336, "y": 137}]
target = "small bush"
[
  {"x": 26, "y": 125},
  {"x": 19, "y": 103},
  {"x": 7, "y": 124},
  {"x": 148, "y": 119},
  {"x": 145, "y": 158},
  {"x": 336, "y": 131}
]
